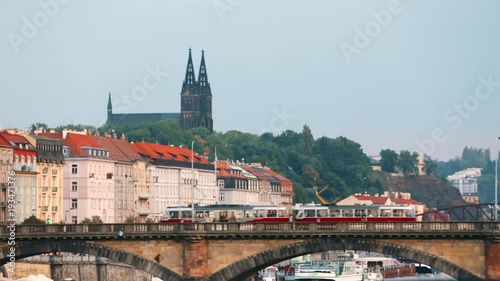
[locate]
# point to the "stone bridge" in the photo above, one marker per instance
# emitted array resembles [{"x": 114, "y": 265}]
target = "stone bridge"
[{"x": 234, "y": 251}]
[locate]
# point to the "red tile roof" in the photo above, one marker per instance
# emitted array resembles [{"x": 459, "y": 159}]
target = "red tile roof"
[
  {"x": 4, "y": 142},
  {"x": 119, "y": 149},
  {"x": 13, "y": 139},
  {"x": 281, "y": 178},
  {"x": 76, "y": 141},
  {"x": 225, "y": 171},
  {"x": 158, "y": 151},
  {"x": 402, "y": 201},
  {"x": 255, "y": 172},
  {"x": 376, "y": 200}
]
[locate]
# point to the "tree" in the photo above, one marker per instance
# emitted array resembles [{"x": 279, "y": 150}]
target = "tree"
[
  {"x": 407, "y": 162},
  {"x": 33, "y": 220},
  {"x": 389, "y": 160},
  {"x": 430, "y": 165},
  {"x": 93, "y": 220},
  {"x": 307, "y": 139},
  {"x": 38, "y": 126}
]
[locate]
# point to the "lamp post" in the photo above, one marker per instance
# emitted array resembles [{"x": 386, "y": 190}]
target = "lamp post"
[
  {"x": 496, "y": 188},
  {"x": 192, "y": 182}
]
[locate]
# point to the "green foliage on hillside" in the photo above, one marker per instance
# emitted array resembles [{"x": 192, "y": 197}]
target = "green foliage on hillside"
[{"x": 308, "y": 162}]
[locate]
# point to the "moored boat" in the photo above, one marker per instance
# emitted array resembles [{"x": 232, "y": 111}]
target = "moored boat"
[
  {"x": 388, "y": 267},
  {"x": 338, "y": 271}
]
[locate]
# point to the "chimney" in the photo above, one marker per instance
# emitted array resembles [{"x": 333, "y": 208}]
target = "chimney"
[
  {"x": 97, "y": 134},
  {"x": 114, "y": 136},
  {"x": 64, "y": 134},
  {"x": 123, "y": 137}
]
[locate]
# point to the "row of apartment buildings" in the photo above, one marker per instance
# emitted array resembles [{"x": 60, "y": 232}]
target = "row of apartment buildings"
[{"x": 69, "y": 176}]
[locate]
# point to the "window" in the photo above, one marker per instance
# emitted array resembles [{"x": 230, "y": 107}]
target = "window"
[
  {"x": 221, "y": 197},
  {"x": 74, "y": 169},
  {"x": 74, "y": 203},
  {"x": 221, "y": 183},
  {"x": 74, "y": 220},
  {"x": 74, "y": 186}
]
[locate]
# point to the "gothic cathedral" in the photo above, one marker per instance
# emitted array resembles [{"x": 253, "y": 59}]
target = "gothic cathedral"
[
  {"x": 196, "y": 103},
  {"x": 196, "y": 98}
]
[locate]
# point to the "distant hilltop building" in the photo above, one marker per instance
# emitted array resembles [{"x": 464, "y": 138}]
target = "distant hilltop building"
[
  {"x": 466, "y": 182},
  {"x": 196, "y": 103}
]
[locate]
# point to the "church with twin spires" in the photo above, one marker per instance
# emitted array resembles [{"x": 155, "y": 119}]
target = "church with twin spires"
[{"x": 196, "y": 103}]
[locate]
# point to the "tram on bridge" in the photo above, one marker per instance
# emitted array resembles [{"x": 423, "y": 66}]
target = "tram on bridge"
[{"x": 278, "y": 214}]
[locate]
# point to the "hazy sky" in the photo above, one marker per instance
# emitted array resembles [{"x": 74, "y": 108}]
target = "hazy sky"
[{"x": 417, "y": 75}]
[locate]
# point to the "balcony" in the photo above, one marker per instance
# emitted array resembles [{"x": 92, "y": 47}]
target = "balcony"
[
  {"x": 109, "y": 176},
  {"x": 45, "y": 208},
  {"x": 45, "y": 188},
  {"x": 54, "y": 208},
  {"x": 3, "y": 204},
  {"x": 91, "y": 175},
  {"x": 54, "y": 189},
  {"x": 143, "y": 195},
  {"x": 54, "y": 171}
]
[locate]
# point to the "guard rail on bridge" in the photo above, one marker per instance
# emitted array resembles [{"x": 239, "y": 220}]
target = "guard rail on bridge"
[{"x": 249, "y": 230}]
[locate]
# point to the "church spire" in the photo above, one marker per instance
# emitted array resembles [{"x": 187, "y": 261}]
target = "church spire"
[
  {"x": 203, "y": 84},
  {"x": 110, "y": 106},
  {"x": 189, "y": 80}
]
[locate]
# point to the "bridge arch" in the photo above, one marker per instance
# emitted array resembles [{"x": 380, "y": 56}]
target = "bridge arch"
[
  {"x": 245, "y": 267},
  {"x": 33, "y": 248}
]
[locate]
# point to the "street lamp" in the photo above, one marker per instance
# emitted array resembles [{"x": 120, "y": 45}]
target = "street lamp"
[
  {"x": 192, "y": 181},
  {"x": 496, "y": 183},
  {"x": 104, "y": 215}
]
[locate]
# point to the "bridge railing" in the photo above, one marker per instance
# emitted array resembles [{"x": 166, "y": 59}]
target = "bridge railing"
[{"x": 246, "y": 228}]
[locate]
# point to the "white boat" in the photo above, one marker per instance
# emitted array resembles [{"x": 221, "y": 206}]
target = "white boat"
[{"x": 338, "y": 271}]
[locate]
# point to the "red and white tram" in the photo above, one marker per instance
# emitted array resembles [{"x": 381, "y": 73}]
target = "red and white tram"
[
  {"x": 226, "y": 213},
  {"x": 353, "y": 213}
]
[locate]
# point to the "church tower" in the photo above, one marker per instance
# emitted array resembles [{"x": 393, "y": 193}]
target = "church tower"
[
  {"x": 190, "y": 99},
  {"x": 110, "y": 107},
  {"x": 205, "y": 94}
]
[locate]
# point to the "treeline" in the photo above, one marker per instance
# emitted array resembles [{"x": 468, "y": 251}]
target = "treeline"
[
  {"x": 308, "y": 162},
  {"x": 405, "y": 162}
]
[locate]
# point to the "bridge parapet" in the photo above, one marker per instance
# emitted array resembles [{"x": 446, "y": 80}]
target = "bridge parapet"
[{"x": 187, "y": 231}]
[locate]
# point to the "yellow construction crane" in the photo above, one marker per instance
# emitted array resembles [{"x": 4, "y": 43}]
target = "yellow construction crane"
[{"x": 323, "y": 200}]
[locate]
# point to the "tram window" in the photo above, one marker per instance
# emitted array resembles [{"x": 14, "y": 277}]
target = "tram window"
[
  {"x": 385, "y": 213},
  {"x": 282, "y": 213},
  {"x": 335, "y": 213},
  {"x": 173, "y": 215},
  {"x": 348, "y": 213},
  {"x": 322, "y": 213},
  {"x": 358, "y": 213},
  {"x": 310, "y": 213},
  {"x": 186, "y": 214},
  {"x": 271, "y": 213},
  {"x": 223, "y": 216}
]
